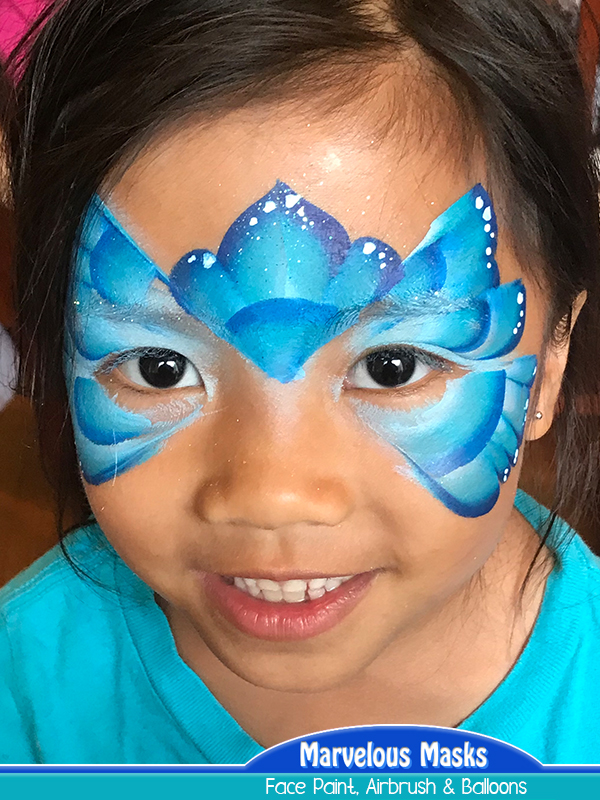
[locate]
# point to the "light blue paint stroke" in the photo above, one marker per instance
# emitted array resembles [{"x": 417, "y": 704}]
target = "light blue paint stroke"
[
  {"x": 119, "y": 270},
  {"x": 111, "y": 291},
  {"x": 285, "y": 281},
  {"x": 101, "y": 420},
  {"x": 104, "y": 462},
  {"x": 465, "y": 445}
]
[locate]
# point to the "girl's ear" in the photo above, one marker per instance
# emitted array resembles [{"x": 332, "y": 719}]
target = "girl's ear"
[{"x": 552, "y": 371}]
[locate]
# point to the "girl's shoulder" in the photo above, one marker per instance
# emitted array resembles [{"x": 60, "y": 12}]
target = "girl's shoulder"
[
  {"x": 574, "y": 559},
  {"x": 78, "y": 573}
]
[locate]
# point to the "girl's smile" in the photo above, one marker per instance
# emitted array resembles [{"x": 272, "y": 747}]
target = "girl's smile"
[{"x": 285, "y": 610}]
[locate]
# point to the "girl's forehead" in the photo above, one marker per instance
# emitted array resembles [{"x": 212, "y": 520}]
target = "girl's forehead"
[{"x": 185, "y": 190}]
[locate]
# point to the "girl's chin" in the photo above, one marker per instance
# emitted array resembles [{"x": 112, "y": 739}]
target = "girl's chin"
[{"x": 296, "y": 609}]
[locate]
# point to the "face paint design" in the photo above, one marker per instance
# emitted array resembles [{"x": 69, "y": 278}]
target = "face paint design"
[
  {"x": 119, "y": 305},
  {"x": 285, "y": 281}
]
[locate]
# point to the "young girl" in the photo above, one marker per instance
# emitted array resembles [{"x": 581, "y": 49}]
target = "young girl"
[{"x": 308, "y": 276}]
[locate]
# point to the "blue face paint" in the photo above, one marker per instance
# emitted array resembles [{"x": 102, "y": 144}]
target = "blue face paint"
[
  {"x": 284, "y": 282},
  {"x": 450, "y": 302},
  {"x": 118, "y": 305}
]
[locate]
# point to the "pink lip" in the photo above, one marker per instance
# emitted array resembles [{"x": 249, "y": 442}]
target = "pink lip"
[{"x": 285, "y": 622}]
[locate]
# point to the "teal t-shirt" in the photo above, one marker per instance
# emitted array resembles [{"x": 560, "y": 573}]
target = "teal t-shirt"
[{"x": 89, "y": 673}]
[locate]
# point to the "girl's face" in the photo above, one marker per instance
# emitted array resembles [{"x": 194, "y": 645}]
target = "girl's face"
[{"x": 301, "y": 359}]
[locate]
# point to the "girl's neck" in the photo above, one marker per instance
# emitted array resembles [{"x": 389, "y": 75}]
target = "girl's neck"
[{"x": 437, "y": 673}]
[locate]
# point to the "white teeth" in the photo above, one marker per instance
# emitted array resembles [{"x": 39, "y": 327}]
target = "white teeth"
[
  {"x": 294, "y": 586},
  {"x": 292, "y": 591},
  {"x": 273, "y": 595},
  {"x": 294, "y": 597},
  {"x": 268, "y": 586}
]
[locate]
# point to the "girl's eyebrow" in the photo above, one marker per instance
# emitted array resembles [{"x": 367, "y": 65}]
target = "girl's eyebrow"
[
  {"x": 153, "y": 315},
  {"x": 425, "y": 305}
]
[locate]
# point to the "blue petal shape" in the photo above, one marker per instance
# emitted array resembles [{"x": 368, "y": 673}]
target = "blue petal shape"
[
  {"x": 100, "y": 419},
  {"x": 462, "y": 447},
  {"x": 100, "y": 464},
  {"x": 111, "y": 440},
  {"x": 455, "y": 332},
  {"x": 120, "y": 271},
  {"x": 505, "y": 316},
  {"x": 425, "y": 435},
  {"x": 283, "y": 246},
  {"x": 522, "y": 370},
  {"x": 203, "y": 287},
  {"x": 370, "y": 270},
  {"x": 280, "y": 335},
  {"x": 96, "y": 339},
  {"x": 467, "y": 236},
  {"x": 103, "y": 462},
  {"x": 424, "y": 273},
  {"x": 470, "y": 491}
]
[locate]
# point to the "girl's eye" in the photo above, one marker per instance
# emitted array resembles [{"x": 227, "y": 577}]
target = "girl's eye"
[
  {"x": 161, "y": 369},
  {"x": 392, "y": 368}
]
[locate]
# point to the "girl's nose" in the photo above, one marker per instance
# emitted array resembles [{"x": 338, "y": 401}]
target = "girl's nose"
[{"x": 270, "y": 469}]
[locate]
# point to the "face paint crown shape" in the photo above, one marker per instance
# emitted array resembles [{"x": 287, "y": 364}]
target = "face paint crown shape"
[{"x": 269, "y": 289}]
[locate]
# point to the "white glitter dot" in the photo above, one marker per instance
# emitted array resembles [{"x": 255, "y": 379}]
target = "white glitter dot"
[
  {"x": 489, "y": 265},
  {"x": 270, "y": 206},
  {"x": 520, "y": 298},
  {"x": 492, "y": 235},
  {"x": 521, "y": 313},
  {"x": 369, "y": 247},
  {"x": 381, "y": 256},
  {"x": 254, "y": 221},
  {"x": 191, "y": 259},
  {"x": 487, "y": 228},
  {"x": 487, "y": 214},
  {"x": 515, "y": 331},
  {"x": 291, "y": 200},
  {"x": 488, "y": 251},
  {"x": 208, "y": 260},
  {"x": 301, "y": 212},
  {"x": 479, "y": 203},
  {"x": 519, "y": 324}
]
